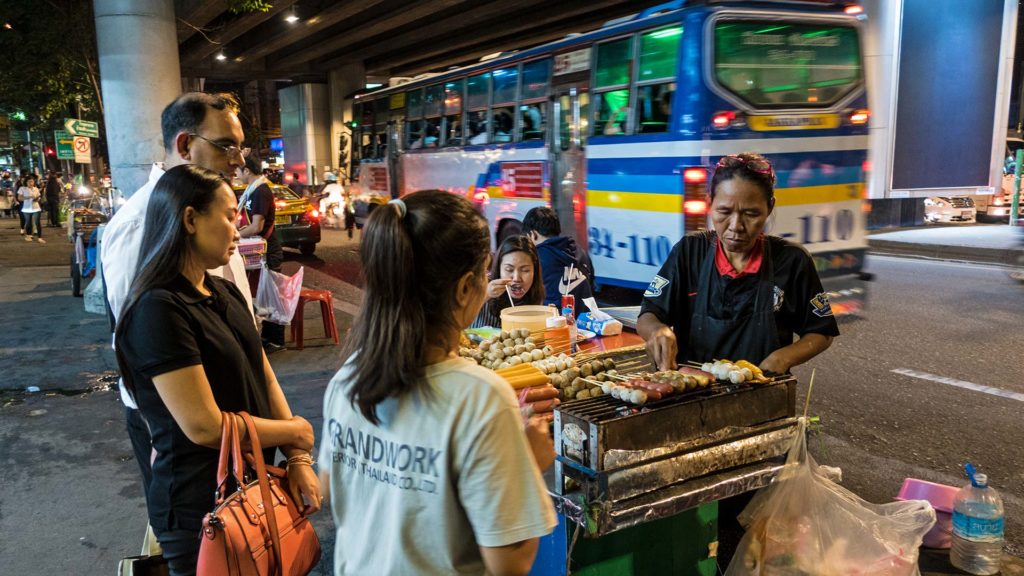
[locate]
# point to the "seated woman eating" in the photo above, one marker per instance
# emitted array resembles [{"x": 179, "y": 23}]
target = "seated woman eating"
[{"x": 515, "y": 271}]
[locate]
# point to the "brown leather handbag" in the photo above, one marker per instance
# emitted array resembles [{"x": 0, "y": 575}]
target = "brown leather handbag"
[{"x": 258, "y": 530}]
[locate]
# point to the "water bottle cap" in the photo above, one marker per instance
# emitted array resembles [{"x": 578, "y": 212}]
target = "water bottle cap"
[{"x": 980, "y": 481}]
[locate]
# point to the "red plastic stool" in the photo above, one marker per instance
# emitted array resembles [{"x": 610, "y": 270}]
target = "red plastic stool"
[{"x": 326, "y": 310}]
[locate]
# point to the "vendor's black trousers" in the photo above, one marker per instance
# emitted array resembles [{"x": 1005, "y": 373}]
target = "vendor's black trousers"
[{"x": 53, "y": 212}]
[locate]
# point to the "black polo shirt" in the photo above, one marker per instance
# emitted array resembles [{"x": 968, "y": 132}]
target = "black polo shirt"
[
  {"x": 176, "y": 327},
  {"x": 261, "y": 202},
  {"x": 801, "y": 305}
]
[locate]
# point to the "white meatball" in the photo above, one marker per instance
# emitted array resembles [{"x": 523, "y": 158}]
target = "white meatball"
[{"x": 537, "y": 355}]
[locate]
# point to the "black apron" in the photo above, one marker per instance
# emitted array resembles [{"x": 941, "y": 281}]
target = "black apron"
[{"x": 751, "y": 336}]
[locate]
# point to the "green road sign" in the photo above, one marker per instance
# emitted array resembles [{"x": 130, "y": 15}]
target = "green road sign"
[
  {"x": 77, "y": 127},
  {"x": 65, "y": 145}
]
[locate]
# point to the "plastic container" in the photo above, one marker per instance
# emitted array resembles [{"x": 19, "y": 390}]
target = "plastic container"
[
  {"x": 940, "y": 496},
  {"x": 531, "y": 317},
  {"x": 978, "y": 517},
  {"x": 556, "y": 334}
]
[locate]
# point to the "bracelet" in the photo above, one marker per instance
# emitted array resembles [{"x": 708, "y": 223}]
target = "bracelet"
[{"x": 301, "y": 459}]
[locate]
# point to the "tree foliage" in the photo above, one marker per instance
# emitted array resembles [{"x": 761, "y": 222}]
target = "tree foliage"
[
  {"x": 50, "y": 61},
  {"x": 240, "y": 6}
]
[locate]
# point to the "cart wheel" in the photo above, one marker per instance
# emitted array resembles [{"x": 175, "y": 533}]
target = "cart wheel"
[{"x": 76, "y": 277}]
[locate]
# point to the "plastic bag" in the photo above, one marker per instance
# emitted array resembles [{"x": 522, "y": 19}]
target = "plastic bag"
[
  {"x": 803, "y": 524},
  {"x": 277, "y": 295}
]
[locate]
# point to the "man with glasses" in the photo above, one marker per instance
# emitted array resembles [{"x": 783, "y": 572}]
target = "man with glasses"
[{"x": 197, "y": 128}]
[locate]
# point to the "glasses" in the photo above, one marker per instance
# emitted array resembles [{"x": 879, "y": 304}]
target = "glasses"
[
  {"x": 229, "y": 150},
  {"x": 754, "y": 165}
]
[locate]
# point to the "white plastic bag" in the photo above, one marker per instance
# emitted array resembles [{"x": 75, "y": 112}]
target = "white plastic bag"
[
  {"x": 803, "y": 524},
  {"x": 277, "y": 295}
]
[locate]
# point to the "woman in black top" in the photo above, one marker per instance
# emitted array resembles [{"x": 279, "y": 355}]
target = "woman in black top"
[
  {"x": 735, "y": 292},
  {"x": 515, "y": 270},
  {"x": 188, "y": 349}
]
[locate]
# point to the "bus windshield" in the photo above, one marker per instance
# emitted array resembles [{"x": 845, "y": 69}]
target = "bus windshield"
[{"x": 786, "y": 65}]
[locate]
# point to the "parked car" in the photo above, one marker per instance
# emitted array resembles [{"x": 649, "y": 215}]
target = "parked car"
[
  {"x": 296, "y": 220},
  {"x": 949, "y": 209}
]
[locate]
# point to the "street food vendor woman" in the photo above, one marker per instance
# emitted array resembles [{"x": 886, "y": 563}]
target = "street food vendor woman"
[{"x": 736, "y": 292}]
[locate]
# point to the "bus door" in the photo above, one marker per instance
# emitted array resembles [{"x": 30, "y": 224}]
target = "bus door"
[{"x": 568, "y": 161}]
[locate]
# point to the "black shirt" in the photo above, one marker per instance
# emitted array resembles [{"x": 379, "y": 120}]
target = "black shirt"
[
  {"x": 801, "y": 305},
  {"x": 261, "y": 202},
  {"x": 176, "y": 327}
]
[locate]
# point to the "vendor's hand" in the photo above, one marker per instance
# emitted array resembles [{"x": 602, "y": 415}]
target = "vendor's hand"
[
  {"x": 304, "y": 437},
  {"x": 541, "y": 445},
  {"x": 304, "y": 487},
  {"x": 496, "y": 287},
  {"x": 776, "y": 362},
  {"x": 662, "y": 347}
]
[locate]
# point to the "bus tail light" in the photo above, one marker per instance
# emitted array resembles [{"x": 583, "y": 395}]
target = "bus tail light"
[
  {"x": 723, "y": 120},
  {"x": 695, "y": 199},
  {"x": 859, "y": 117}
]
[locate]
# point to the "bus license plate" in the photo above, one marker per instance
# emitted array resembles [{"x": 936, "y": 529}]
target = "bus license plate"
[{"x": 282, "y": 220}]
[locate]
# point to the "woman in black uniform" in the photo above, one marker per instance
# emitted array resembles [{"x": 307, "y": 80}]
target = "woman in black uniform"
[{"x": 735, "y": 292}]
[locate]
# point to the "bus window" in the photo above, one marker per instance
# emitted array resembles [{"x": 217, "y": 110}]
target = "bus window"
[
  {"x": 477, "y": 99},
  {"x": 477, "y": 127},
  {"x": 453, "y": 112},
  {"x": 433, "y": 101},
  {"x": 504, "y": 121},
  {"x": 505, "y": 84},
  {"x": 614, "y": 65},
  {"x": 612, "y": 111},
  {"x": 786, "y": 65},
  {"x": 534, "y": 121},
  {"x": 659, "y": 55},
  {"x": 535, "y": 79},
  {"x": 414, "y": 127},
  {"x": 654, "y": 107}
]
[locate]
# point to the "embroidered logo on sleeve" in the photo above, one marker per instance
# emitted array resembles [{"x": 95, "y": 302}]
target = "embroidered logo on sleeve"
[
  {"x": 820, "y": 306},
  {"x": 657, "y": 285}
]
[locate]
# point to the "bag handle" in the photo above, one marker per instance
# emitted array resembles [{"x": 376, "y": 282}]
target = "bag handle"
[
  {"x": 264, "y": 481},
  {"x": 230, "y": 455}
]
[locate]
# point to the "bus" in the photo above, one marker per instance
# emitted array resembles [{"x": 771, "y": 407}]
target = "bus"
[{"x": 617, "y": 130}]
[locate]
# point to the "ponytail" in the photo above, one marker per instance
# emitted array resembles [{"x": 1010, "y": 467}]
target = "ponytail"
[{"x": 412, "y": 262}]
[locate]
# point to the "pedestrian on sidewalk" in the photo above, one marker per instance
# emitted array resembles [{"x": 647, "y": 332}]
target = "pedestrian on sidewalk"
[
  {"x": 197, "y": 128},
  {"x": 7, "y": 199},
  {"x": 257, "y": 213},
  {"x": 31, "y": 211},
  {"x": 188, "y": 350},
  {"x": 476, "y": 502},
  {"x": 52, "y": 190}
]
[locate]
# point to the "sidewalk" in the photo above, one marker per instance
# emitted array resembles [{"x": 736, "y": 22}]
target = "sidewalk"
[{"x": 992, "y": 244}]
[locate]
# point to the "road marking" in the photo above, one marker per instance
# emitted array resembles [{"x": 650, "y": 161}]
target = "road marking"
[{"x": 961, "y": 384}]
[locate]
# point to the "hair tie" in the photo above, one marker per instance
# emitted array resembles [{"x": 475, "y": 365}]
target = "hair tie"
[{"x": 400, "y": 206}]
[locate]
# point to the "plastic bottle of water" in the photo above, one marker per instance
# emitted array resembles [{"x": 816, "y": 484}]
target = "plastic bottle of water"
[
  {"x": 977, "y": 527},
  {"x": 570, "y": 321}
]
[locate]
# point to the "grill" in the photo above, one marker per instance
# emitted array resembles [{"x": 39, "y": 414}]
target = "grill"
[{"x": 620, "y": 465}]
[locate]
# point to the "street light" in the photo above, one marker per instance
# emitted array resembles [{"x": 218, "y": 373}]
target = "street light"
[
  {"x": 292, "y": 17},
  {"x": 221, "y": 56}
]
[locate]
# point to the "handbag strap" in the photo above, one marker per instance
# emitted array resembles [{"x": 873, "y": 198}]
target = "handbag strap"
[
  {"x": 268, "y": 497},
  {"x": 230, "y": 455}
]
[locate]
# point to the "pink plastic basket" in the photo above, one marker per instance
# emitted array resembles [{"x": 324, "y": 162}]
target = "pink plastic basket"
[
  {"x": 252, "y": 250},
  {"x": 941, "y": 497}
]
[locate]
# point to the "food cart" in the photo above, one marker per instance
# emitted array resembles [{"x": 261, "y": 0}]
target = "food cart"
[{"x": 636, "y": 486}]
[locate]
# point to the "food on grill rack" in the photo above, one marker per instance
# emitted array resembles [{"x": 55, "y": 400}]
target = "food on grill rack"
[
  {"x": 582, "y": 380},
  {"x": 737, "y": 373}
]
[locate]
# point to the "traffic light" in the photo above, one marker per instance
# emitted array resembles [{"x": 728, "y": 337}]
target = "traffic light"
[
  {"x": 50, "y": 151},
  {"x": 352, "y": 124}
]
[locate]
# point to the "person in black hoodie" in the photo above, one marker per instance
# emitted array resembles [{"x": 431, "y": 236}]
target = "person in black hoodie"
[{"x": 565, "y": 268}]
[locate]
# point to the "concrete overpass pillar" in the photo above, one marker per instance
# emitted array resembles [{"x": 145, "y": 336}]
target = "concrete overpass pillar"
[
  {"x": 140, "y": 74},
  {"x": 306, "y": 131},
  {"x": 342, "y": 82}
]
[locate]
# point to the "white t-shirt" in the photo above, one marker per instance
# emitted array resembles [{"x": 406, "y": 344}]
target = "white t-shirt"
[
  {"x": 119, "y": 255},
  {"x": 443, "y": 474},
  {"x": 30, "y": 200}
]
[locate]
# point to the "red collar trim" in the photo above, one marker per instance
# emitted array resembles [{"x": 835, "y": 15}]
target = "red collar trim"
[{"x": 753, "y": 265}]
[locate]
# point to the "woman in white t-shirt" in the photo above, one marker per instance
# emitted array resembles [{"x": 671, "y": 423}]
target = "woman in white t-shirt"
[
  {"x": 424, "y": 452},
  {"x": 29, "y": 195}
]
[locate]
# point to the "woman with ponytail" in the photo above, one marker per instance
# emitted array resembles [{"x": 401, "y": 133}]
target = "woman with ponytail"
[{"x": 424, "y": 452}]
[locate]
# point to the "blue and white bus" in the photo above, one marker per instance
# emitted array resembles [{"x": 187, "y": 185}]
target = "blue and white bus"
[{"x": 616, "y": 129}]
